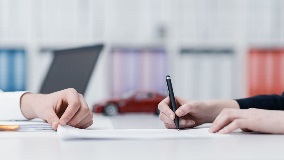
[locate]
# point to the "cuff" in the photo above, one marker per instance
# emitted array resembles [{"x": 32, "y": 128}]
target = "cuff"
[
  {"x": 243, "y": 103},
  {"x": 10, "y": 106}
]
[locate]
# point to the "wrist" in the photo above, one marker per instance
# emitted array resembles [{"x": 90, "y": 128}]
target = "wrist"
[
  {"x": 221, "y": 104},
  {"x": 216, "y": 106},
  {"x": 214, "y": 109},
  {"x": 27, "y": 105}
]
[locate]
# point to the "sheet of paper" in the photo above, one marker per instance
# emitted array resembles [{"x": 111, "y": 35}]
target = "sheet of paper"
[
  {"x": 68, "y": 132},
  {"x": 38, "y": 125},
  {"x": 101, "y": 122}
]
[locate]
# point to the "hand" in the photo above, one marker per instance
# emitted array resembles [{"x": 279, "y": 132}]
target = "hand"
[
  {"x": 259, "y": 120},
  {"x": 191, "y": 113},
  {"x": 62, "y": 107}
]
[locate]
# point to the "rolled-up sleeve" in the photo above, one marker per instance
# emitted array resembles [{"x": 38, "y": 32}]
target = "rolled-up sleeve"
[
  {"x": 10, "y": 108},
  {"x": 270, "y": 102}
]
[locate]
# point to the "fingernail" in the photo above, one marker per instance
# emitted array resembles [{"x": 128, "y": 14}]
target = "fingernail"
[
  {"x": 182, "y": 122},
  {"x": 190, "y": 123},
  {"x": 210, "y": 130},
  {"x": 53, "y": 124},
  {"x": 63, "y": 122},
  {"x": 177, "y": 112},
  {"x": 172, "y": 117},
  {"x": 221, "y": 131}
]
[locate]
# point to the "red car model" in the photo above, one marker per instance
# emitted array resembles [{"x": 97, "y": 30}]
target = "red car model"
[{"x": 137, "y": 102}]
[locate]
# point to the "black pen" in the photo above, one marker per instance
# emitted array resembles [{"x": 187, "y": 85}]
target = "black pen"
[{"x": 172, "y": 99}]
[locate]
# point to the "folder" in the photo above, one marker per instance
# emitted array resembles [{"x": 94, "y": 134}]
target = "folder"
[
  {"x": 12, "y": 69},
  {"x": 265, "y": 71},
  {"x": 135, "y": 69},
  {"x": 207, "y": 73}
]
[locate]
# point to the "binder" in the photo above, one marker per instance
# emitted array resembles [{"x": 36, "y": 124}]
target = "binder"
[
  {"x": 136, "y": 69},
  {"x": 4, "y": 70},
  {"x": 265, "y": 71},
  {"x": 19, "y": 70},
  {"x": 12, "y": 69},
  {"x": 207, "y": 73}
]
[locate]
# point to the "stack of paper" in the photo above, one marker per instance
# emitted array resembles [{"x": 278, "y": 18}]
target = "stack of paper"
[{"x": 27, "y": 126}]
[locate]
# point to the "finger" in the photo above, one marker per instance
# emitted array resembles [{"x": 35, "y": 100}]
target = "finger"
[
  {"x": 170, "y": 126},
  {"x": 164, "y": 107},
  {"x": 87, "y": 125},
  {"x": 166, "y": 100},
  {"x": 85, "y": 120},
  {"x": 224, "y": 118},
  {"x": 72, "y": 99},
  {"x": 236, "y": 124},
  {"x": 186, "y": 123},
  {"x": 186, "y": 109},
  {"x": 163, "y": 117},
  {"x": 81, "y": 114},
  {"x": 52, "y": 119},
  {"x": 183, "y": 124}
]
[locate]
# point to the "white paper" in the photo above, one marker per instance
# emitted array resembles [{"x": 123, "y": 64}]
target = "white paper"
[
  {"x": 68, "y": 132},
  {"x": 35, "y": 125},
  {"x": 38, "y": 125},
  {"x": 101, "y": 122}
]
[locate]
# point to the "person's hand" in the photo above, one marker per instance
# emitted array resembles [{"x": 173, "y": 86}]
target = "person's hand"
[
  {"x": 190, "y": 113},
  {"x": 259, "y": 120},
  {"x": 62, "y": 107}
]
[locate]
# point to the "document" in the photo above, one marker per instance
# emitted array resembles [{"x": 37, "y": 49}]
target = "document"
[
  {"x": 36, "y": 125},
  {"x": 68, "y": 132}
]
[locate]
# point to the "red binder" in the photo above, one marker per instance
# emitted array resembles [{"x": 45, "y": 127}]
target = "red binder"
[{"x": 265, "y": 71}]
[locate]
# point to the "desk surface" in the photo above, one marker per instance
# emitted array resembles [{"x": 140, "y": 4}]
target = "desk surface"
[{"x": 47, "y": 146}]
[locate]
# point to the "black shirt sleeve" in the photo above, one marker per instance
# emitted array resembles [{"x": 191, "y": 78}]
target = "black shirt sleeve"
[{"x": 270, "y": 102}]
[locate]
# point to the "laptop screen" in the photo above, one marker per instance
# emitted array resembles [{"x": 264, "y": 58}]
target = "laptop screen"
[{"x": 71, "y": 68}]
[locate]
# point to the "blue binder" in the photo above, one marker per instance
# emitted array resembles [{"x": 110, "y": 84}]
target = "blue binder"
[{"x": 12, "y": 69}]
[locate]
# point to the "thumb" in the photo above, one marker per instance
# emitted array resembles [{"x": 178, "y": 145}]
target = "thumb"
[
  {"x": 186, "y": 108},
  {"x": 52, "y": 119}
]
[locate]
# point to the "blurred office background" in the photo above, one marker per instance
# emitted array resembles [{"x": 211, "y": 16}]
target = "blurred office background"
[{"x": 211, "y": 48}]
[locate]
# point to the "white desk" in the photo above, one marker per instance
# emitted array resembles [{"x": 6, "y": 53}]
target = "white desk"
[{"x": 47, "y": 146}]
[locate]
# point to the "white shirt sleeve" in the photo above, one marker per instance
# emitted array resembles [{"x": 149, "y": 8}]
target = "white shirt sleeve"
[{"x": 10, "y": 108}]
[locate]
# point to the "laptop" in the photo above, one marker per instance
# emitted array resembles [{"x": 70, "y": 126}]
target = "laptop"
[{"x": 71, "y": 68}]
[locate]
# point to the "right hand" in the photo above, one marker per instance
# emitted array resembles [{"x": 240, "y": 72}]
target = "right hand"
[{"x": 190, "y": 113}]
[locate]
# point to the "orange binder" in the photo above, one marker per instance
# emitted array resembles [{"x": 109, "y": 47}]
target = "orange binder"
[{"x": 265, "y": 71}]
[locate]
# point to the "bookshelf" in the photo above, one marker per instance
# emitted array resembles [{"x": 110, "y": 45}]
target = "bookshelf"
[{"x": 40, "y": 26}]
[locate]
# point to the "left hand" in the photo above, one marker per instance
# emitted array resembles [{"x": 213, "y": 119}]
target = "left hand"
[{"x": 259, "y": 120}]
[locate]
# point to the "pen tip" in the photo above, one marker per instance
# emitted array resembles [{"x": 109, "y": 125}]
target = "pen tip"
[{"x": 168, "y": 77}]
